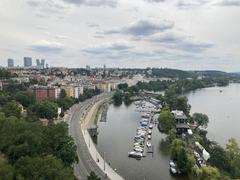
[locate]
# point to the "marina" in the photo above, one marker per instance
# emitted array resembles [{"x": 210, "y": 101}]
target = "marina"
[
  {"x": 142, "y": 139},
  {"x": 116, "y": 139}
]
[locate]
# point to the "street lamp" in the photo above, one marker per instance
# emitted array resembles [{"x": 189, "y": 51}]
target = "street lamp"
[
  {"x": 89, "y": 141},
  {"x": 104, "y": 165}
]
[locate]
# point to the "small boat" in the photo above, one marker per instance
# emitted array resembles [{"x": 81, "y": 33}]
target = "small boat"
[
  {"x": 144, "y": 124},
  {"x": 172, "y": 164},
  {"x": 138, "y": 146},
  {"x": 145, "y": 115},
  {"x": 148, "y": 144},
  {"x": 150, "y": 126},
  {"x": 149, "y": 132},
  {"x": 139, "y": 141},
  {"x": 173, "y": 170},
  {"x": 138, "y": 149},
  {"x": 149, "y": 137},
  {"x": 135, "y": 154}
]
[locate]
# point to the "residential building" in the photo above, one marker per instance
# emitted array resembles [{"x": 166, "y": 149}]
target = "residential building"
[
  {"x": 27, "y": 61},
  {"x": 78, "y": 91},
  {"x": 70, "y": 91},
  {"x": 43, "y": 92},
  {"x": 57, "y": 92},
  {"x": 40, "y": 64},
  {"x": 10, "y": 63},
  {"x": 181, "y": 122}
]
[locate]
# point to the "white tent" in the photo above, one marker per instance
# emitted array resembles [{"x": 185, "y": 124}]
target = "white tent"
[{"x": 205, "y": 155}]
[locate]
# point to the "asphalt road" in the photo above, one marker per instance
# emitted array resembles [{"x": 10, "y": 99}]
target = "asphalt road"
[{"x": 86, "y": 163}]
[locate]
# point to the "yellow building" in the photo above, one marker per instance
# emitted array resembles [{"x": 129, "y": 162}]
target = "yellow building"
[{"x": 70, "y": 91}]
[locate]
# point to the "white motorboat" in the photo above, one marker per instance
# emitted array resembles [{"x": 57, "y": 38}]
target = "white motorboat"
[
  {"x": 148, "y": 144},
  {"x": 173, "y": 170},
  {"x": 138, "y": 149},
  {"x": 149, "y": 137},
  {"x": 135, "y": 154},
  {"x": 150, "y": 126}
]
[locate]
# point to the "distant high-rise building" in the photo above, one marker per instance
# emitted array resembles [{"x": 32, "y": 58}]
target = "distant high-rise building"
[
  {"x": 27, "y": 61},
  {"x": 43, "y": 63},
  {"x": 10, "y": 63},
  {"x": 38, "y": 62},
  {"x": 88, "y": 67}
]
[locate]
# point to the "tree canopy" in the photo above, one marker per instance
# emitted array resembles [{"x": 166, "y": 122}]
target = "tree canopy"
[
  {"x": 201, "y": 119},
  {"x": 45, "y": 109},
  {"x": 207, "y": 173},
  {"x": 166, "y": 121}
]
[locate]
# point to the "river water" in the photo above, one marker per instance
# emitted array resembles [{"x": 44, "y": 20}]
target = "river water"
[
  {"x": 116, "y": 140},
  {"x": 222, "y": 105},
  {"x": 116, "y": 135}
]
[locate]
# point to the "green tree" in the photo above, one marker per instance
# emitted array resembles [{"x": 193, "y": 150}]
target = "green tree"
[
  {"x": 166, "y": 121},
  {"x": 200, "y": 119},
  {"x": 57, "y": 142},
  {"x": 207, "y": 173},
  {"x": 93, "y": 176},
  {"x": 219, "y": 158},
  {"x": 127, "y": 98},
  {"x": 170, "y": 97},
  {"x": 12, "y": 108},
  {"x": 6, "y": 170},
  {"x": 172, "y": 135},
  {"x": 233, "y": 154},
  {"x": 117, "y": 98},
  {"x": 4, "y": 98},
  {"x": 176, "y": 147},
  {"x": 123, "y": 86},
  {"x": 25, "y": 98},
  {"x": 45, "y": 109},
  {"x": 182, "y": 104},
  {"x": 185, "y": 161},
  {"x": 62, "y": 94},
  {"x": 47, "y": 167}
]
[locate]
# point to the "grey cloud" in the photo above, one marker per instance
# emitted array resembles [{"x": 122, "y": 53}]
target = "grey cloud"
[
  {"x": 181, "y": 42},
  {"x": 156, "y": 1},
  {"x": 142, "y": 28},
  {"x": 33, "y": 3},
  {"x": 229, "y": 3},
  {"x": 110, "y": 3},
  {"x": 185, "y": 4},
  {"x": 45, "y": 49},
  {"x": 107, "y": 48},
  {"x": 45, "y": 46},
  {"x": 44, "y": 8},
  {"x": 93, "y": 25},
  {"x": 98, "y": 36}
]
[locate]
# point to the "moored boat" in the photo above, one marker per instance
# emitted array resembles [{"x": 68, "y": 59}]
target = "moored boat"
[
  {"x": 148, "y": 144},
  {"x": 135, "y": 154}
]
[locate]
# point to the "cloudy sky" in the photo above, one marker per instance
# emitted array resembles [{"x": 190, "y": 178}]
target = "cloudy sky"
[{"x": 184, "y": 34}]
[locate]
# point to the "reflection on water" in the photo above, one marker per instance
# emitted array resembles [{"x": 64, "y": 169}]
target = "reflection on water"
[{"x": 116, "y": 140}]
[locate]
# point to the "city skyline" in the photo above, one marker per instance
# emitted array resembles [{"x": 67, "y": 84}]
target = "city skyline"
[{"x": 188, "y": 35}]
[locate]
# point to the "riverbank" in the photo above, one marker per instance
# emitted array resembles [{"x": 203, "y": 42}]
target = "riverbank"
[{"x": 98, "y": 158}]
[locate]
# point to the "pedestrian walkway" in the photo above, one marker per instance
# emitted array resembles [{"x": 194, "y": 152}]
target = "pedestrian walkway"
[{"x": 98, "y": 158}]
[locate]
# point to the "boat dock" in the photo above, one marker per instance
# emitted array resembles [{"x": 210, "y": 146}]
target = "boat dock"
[{"x": 142, "y": 141}]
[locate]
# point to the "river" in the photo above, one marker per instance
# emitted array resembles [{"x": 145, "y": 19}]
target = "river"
[
  {"x": 116, "y": 135},
  {"x": 116, "y": 140},
  {"x": 221, "y": 104}
]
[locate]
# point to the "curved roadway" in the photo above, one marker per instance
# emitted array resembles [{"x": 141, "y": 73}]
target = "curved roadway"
[{"x": 86, "y": 164}]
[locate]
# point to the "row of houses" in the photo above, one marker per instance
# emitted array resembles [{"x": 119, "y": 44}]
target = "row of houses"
[{"x": 45, "y": 92}]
